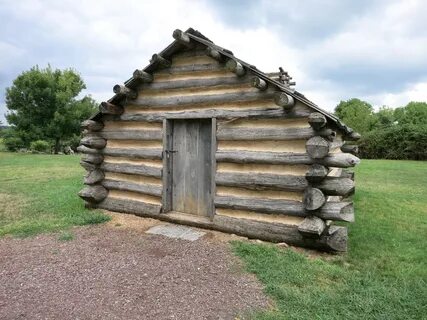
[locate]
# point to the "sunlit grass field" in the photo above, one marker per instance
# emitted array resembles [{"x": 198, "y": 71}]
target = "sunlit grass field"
[
  {"x": 38, "y": 193},
  {"x": 384, "y": 274}
]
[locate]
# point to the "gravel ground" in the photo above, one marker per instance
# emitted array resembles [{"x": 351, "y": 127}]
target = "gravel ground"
[{"x": 116, "y": 271}]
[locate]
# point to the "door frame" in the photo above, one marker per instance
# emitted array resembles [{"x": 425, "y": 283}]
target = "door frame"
[{"x": 168, "y": 167}]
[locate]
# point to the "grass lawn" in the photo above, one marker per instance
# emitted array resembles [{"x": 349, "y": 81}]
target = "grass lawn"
[
  {"x": 384, "y": 274},
  {"x": 38, "y": 193}
]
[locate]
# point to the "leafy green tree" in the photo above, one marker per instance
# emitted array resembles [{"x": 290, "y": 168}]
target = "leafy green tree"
[
  {"x": 43, "y": 105},
  {"x": 357, "y": 114},
  {"x": 413, "y": 113},
  {"x": 385, "y": 117}
]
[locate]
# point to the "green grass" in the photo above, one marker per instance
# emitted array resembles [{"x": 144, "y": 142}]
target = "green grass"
[
  {"x": 384, "y": 274},
  {"x": 38, "y": 193}
]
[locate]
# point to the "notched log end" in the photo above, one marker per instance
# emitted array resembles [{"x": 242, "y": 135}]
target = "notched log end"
[
  {"x": 142, "y": 76},
  {"x": 91, "y": 125},
  {"x": 317, "y": 147},
  {"x": 284, "y": 100},
  {"x": 336, "y": 238},
  {"x": 313, "y": 199},
  {"x": 259, "y": 83},
  {"x": 93, "y": 193},
  {"x": 312, "y": 227},
  {"x": 317, "y": 120},
  {"x": 234, "y": 66}
]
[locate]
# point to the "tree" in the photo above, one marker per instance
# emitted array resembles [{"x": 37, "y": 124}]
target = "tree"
[
  {"x": 413, "y": 113},
  {"x": 43, "y": 105},
  {"x": 357, "y": 114},
  {"x": 385, "y": 117}
]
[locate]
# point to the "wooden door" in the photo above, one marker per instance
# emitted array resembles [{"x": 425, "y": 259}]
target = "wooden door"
[{"x": 191, "y": 163}]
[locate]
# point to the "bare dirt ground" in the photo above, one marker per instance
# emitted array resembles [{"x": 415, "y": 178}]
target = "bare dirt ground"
[{"x": 117, "y": 271}]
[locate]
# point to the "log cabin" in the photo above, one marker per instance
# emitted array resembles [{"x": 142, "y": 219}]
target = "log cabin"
[{"x": 202, "y": 138}]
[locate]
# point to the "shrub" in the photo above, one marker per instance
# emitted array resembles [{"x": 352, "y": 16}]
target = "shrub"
[
  {"x": 13, "y": 143},
  {"x": 406, "y": 142},
  {"x": 40, "y": 146}
]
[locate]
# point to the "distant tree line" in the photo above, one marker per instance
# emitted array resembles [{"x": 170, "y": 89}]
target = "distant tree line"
[
  {"x": 45, "y": 111},
  {"x": 399, "y": 133}
]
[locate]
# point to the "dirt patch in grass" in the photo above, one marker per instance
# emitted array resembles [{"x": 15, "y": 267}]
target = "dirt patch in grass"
[
  {"x": 11, "y": 207},
  {"x": 120, "y": 272}
]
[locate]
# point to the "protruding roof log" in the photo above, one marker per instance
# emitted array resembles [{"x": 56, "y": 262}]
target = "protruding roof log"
[
  {"x": 159, "y": 60},
  {"x": 142, "y": 76},
  {"x": 214, "y": 54},
  {"x": 284, "y": 100},
  {"x": 234, "y": 66},
  {"x": 317, "y": 120},
  {"x": 259, "y": 83},
  {"x": 109, "y": 108},
  {"x": 182, "y": 38},
  {"x": 125, "y": 91}
]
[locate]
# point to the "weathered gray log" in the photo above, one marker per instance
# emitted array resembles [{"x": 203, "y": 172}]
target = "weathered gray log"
[
  {"x": 317, "y": 120},
  {"x": 269, "y": 113},
  {"x": 159, "y": 60},
  {"x": 334, "y": 240},
  {"x": 313, "y": 199},
  {"x": 340, "y": 160},
  {"x": 233, "y": 133},
  {"x": 216, "y": 82},
  {"x": 312, "y": 227},
  {"x": 142, "y": 76},
  {"x": 138, "y": 153},
  {"x": 125, "y": 91},
  {"x": 88, "y": 166},
  {"x": 339, "y": 211},
  {"x": 147, "y": 101},
  {"x": 93, "y": 193},
  {"x": 317, "y": 147},
  {"x": 234, "y": 66},
  {"x": 132, "y": 135},
  {"x": 347, "y": 174},
  {"x": 154, "y": 190},
  {"x": 191, "y": 68},
  {"x": 93, "y": 142},
  {"x": 316, "y": 173},
  {"x": 139, "y": 208},
  {"x": 84, "y": 149},
  {"x": 91, "y": 125},
  {"x": 93, "y": 158},
  {"x": 353, "y": 136},
  {"x": 94, "y": 177},
  {"x": 284, "y": 100},
  {"x": 182, "y": 38},
  {"x": 109, "y": 108},
  {"x": 261, "y": 181},
  {"x": 259, "y": 83},
  {"x": 214, "y": 54},
  {"x": 336, "y": 186},
  {"x": 132, "y": 169},
  {"x": 350, "y": 148}
]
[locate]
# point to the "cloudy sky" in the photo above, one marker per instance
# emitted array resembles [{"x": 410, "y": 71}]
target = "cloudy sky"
[{"x": 334, "y": 49}]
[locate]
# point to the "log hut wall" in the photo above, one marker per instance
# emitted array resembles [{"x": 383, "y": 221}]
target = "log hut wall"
[{"x": 280, "y": 166}]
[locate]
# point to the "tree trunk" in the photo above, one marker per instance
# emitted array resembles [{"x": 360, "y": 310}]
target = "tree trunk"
[{"x": 57, "y": 145}]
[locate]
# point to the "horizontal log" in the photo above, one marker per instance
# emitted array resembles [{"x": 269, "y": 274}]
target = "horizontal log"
[
  {"x": 317, "y": 147},
  {"x": 354, "y": 136},
  {"x": 93, "y": 193},
  {"x": 209, "y": 83},
  {"x": 339, "y": 211},
  {"x": 284, "y": 100},
  {"x": 202, "y": 99},
  {"x": 227, "y": 133},
  {"x": 340, "y": 160},
  {"x": 183, "y": 38},
  {"x": 334, "y": 240},
  {"x": 261, "y": 181},
  {"x": 336, "y": 186},
  {"x": 91, "y": 125},
  {"x": 350, "y": 148},
  {"x": 88, "y": 166},
  {"x": 154, "y": 190},
  {"x": 93, "y": 142},
  {"x": 132, "y": 169},
  {"x": 139, "y": 208},
  {"x": 160, "y": 61},
  {"x": 125, "y": 91},
  {"x": 84, "y": 149},
  {"x": 109, "y": 108},
  {"x": 217, "y": 113},
  {"x": 259, "y": 83},
  {"x": 312, "y": 227},
  {"x": 132, "y": 135},
  {"x": 316, "y": 173},
  {"x": 317, "y": 120},
  {"x": 211, "y": 52},
  {"x": 192, "y": 68},
  {"x": 94, "y": 177},
  {"x": 135, "y": 153},
  {"x": 313, "y": 198},
  {"x": 234, "y": 66},
  {"x": 142, "y": 76}
]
